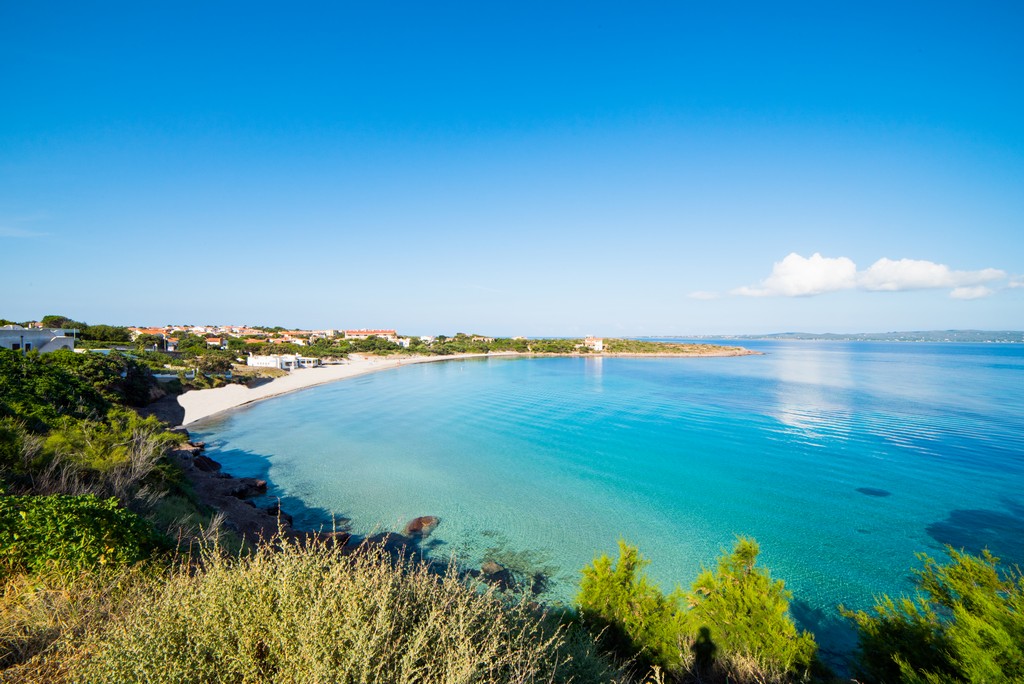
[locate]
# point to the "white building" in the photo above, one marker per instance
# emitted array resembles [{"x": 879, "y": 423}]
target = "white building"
[
  {"x": 38, "y": 339},
  {"x": 282, "y": 361},
  {"x": 595, "y": 343}
]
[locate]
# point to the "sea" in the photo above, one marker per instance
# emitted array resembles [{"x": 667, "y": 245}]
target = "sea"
[{"x": 844, "y": 460}]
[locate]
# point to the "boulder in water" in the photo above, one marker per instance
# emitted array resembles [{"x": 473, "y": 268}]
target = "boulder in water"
[{"x": 422, "y": 526}]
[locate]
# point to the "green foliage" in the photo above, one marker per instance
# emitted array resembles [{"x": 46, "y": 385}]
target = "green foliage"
[
  {"x": 741, "y": 610},
  {"x": 617, "y": 599},
  {"x": 624, "y": 346},
  {"x": 557, "y": 346},
  {"x": 20, "y": 452},
  {"x": 374, "y": 344},
  {"x": 733, "y": 626},
  {"x": 149, "y": 341},
  {"x": 192, "y": 345},
  {"x": 215, "y": 362},
  {"x": 70, "y": 532},
  {"x": 40, "y": 389},
  {"x": 119, "y": 378},
  {"x": 55, "y": 321},
  {"x": 106, "y": 333},
  {"x": 104, "y": 445},
  {"x": 965, "y": 625}
]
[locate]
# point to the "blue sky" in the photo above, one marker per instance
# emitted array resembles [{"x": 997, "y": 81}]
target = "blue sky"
[{"x": 515, "y": 168}]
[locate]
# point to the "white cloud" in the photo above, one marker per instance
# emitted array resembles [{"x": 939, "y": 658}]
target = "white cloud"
[
  {"x": 796, "y": 276},
  {"x": 913, "y": 274},
  {"x": 973, "y": 292},
  {"x": 703, "y": 295}
]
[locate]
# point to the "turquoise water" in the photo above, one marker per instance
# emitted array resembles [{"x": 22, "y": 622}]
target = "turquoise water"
[{"x": 841, "y": 459}]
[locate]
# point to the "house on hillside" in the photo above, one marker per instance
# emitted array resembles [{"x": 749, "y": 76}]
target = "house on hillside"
[
  {"x": 43, "y": 340},
  {"x": 595, "y": 343},
  {"x": 389, "y": 335}
]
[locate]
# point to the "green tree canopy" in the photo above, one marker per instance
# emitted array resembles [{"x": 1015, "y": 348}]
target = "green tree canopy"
[
  {"x": 56, "y": 321},
  {"x": 734, "y": 625},
  {"x": 741, "y": 610},
  {"x": 106, "y": 333},
  {"x": 618, "y": 601},
  {"x": 965, "y": 625}
]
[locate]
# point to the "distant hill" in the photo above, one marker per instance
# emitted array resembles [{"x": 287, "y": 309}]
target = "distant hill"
[{"x": 994, "y": 336}]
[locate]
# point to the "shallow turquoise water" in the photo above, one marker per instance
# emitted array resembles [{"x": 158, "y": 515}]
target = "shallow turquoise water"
[{"x": 841, "y": 459}]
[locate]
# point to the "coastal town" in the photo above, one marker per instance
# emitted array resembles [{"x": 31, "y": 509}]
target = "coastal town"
[{"x": 202, "y": 370}]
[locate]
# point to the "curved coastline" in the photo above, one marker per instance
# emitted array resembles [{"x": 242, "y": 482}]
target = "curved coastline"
[
  {"x": 200, "y": 404},
  {"x": 232, "y": 495}
]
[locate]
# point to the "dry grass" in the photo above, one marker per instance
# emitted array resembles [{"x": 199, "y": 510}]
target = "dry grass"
[
  {"x": 239, "y": 370},
  {"x": 44, "y": 619},
  {"x": 289, "y": 614}
]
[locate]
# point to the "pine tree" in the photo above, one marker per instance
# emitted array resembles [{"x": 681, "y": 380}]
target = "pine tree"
[
  {"x": 965, "y": 625},
  {"x": 634, "y": 616},
  {"x": 740, "y": 611}
]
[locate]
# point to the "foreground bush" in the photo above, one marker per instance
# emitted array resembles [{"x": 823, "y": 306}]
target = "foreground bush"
[
  {"x": 632, "y": 615},
  {"x": 965, "y": 625},
  {"x": 742, "y": 613},
  {"x": 734, "y": 626},
  {"x": 314, "y": 615},
  {"x": 70, "y": 533}
]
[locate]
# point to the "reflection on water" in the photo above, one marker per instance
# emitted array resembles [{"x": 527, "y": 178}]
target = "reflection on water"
[
  {"x": 811, "y": 389},
  {"x": 593, "y": 368}
]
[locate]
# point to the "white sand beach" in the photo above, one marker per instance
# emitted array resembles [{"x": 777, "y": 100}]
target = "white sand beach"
[{"x": 199, "y": 404}]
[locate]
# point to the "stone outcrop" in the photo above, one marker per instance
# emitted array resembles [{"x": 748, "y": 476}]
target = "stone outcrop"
[
  {"x": 498, "y": 575},
  {"x": 422, "y": 526}
]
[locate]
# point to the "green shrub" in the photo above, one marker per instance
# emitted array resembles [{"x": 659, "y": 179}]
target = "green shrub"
[
  {"x": 965, "y": 625},
  {"x": 741, "y": 612},
  {"x": 40, "y": 393},
  {"x": 734, "y": 625},
  {"x": 632, "y": 615},
  {"x": 70, "y": 533}
]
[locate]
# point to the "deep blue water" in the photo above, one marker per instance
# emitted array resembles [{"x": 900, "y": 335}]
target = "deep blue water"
[{"x": 842, "y": 459}]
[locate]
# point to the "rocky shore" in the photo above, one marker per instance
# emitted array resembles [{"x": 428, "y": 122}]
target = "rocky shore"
[{"x": 232, "y": 497}]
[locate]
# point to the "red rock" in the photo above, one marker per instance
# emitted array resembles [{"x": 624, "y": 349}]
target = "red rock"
[{"x": 421, "y": 526}]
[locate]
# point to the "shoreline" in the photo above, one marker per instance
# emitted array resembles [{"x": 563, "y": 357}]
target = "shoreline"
[
  {"x": 200, "y": 404},
  {"x": 232, "y": 496},
  {"x": 197, "y": 405}
]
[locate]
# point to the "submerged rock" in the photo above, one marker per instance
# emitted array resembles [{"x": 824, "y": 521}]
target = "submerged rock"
[
  {"x": 498, "y": 575},
  {"x": 874, "y": 491},
  {"x": 491, "y": 568},
  {"x": 422, "y": 526}
]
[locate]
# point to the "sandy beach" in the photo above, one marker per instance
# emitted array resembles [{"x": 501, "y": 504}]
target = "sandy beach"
[{"x": 199, "y": 404}]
